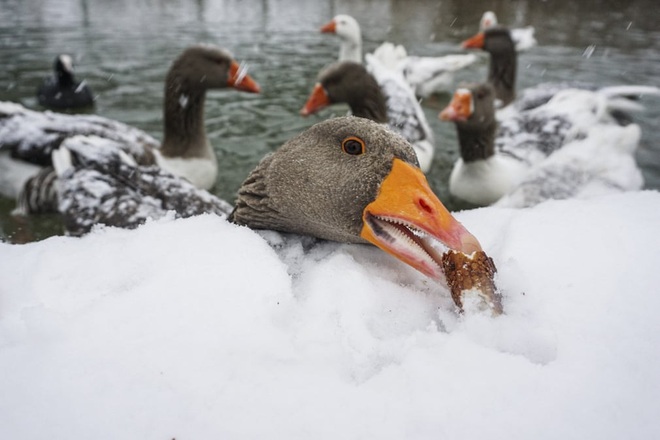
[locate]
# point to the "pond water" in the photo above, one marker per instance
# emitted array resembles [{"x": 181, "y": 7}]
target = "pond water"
[{"x": 123, "y": 49}]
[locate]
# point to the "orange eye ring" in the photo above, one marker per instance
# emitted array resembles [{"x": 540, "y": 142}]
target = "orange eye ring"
[{"x": 353, "y": 145}]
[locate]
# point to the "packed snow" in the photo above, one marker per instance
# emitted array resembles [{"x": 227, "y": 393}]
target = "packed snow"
[{"x": 200, "y": 329}]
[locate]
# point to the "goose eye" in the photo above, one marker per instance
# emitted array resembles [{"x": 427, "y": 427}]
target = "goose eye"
[{"x": 353, "y": 146}]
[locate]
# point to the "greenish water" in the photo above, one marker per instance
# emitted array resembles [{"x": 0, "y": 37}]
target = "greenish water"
[{"x": 124, "y": 47}]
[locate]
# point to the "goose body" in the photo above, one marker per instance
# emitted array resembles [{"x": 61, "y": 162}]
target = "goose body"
[
  {"x": 425, "y": 75},
  {"x": 535, "y": 153},
  {"x": 380, "y": 95},
  {"x": 99, "y": 184},
  {"x": 62, "y": 90},
  {"x": 185, "y": 151}
]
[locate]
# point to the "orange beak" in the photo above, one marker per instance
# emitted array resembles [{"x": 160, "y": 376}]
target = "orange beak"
[
  {"x": 475, "y": 42},
  {"x": 460, "y": 108},
  {"x": 407, "y": 208},
  {"x": 317, "y": 100},
  {"x": 240, "y": 80},
  {"x": 329, "y": 28}
]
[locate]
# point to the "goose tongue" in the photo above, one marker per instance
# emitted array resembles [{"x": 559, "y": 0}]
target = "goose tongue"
[
  {"x": 316, "y": 101},
  {"x": 240, "y": 80},
  {"x": 406, "y": 214}
]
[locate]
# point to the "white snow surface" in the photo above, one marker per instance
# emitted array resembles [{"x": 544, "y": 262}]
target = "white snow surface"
[{"x": 200, "y": 329}]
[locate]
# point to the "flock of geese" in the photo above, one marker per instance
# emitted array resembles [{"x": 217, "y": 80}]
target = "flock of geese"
[{"x": 358, "y": 178}]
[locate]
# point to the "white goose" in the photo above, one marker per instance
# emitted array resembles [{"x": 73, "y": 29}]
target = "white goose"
[
  {"x": 425, "y": 75},
  {"x": 27, "y": 138}
]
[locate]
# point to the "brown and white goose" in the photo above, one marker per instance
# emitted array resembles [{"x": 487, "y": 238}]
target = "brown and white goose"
[
  {"x": 27, "y": 138},
  {"x": 381, "y": 101}
]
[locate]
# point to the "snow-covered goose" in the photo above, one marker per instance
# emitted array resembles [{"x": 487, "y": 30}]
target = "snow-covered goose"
[
  {"x": 62, "y": 90},
  {"x": 27, "y": 138},
  {"x": 550, "y": 152},
  {"x": 425, "y": 75},
  {"x": 97, "y": 183},
  {"x": 383, "y": 99}
]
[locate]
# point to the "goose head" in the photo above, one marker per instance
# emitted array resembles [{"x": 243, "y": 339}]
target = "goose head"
[
  {"x": 488, "y": 20},
  {"x": 208, "y": 67},
  {"x": 471, "y": 106},
  {"x": 350, "y": 83},
  {"x": 352, "y": 180},
  {"x": 348, "y": 30}
]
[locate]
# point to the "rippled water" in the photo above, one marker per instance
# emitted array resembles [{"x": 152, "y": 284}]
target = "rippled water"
[{"x": 123, "y": 49}]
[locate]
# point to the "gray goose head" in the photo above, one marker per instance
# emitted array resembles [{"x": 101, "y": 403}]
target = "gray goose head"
[
  {"x": 503, "y": 60},
  {"x": 472, "y": 109},
  {"x": 352, "y": 180},
  {"x": 198, "y": 69},
  {"x": 350, "y": 83}
]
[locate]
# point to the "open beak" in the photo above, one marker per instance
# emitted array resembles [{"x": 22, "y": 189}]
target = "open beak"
[
  {"x": 407, "y": 215},
  {"x": 317, "y": 100},
  {"x": 329, "y": 28},
  {"x": 475, "y": 42},
  {"x": 240, "y": 80},
  {"x": 460, "y": 108}
]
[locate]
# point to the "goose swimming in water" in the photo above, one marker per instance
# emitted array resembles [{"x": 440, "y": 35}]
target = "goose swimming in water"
[
  {"x": 554, "y": 151},
  {"x": 523, "y": 38},
  {"x": 62, "y": 90},
  {"x": 502, "y": 72},
  {"x": 424, "y": 75},
  {"x": 27, "y": 138}
]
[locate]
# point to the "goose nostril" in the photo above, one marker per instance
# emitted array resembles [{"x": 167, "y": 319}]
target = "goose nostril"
[{"x": 425, "y": 206}]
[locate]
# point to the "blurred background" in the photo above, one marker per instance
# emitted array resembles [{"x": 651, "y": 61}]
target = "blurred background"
[{"x": 123, "y": 48}]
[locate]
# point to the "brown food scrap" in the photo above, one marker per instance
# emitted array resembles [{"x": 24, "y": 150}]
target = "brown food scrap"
[{"x": 472, "y": 273}]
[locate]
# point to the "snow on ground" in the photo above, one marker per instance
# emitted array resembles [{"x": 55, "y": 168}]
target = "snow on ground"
[{"x": 199, "y": 329}]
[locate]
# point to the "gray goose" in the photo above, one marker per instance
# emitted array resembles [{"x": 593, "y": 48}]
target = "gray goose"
[
  {"x": 352, "y": 180},
  {"x": 384, "y": 101},
  {"x": 27, "y": 138}
]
